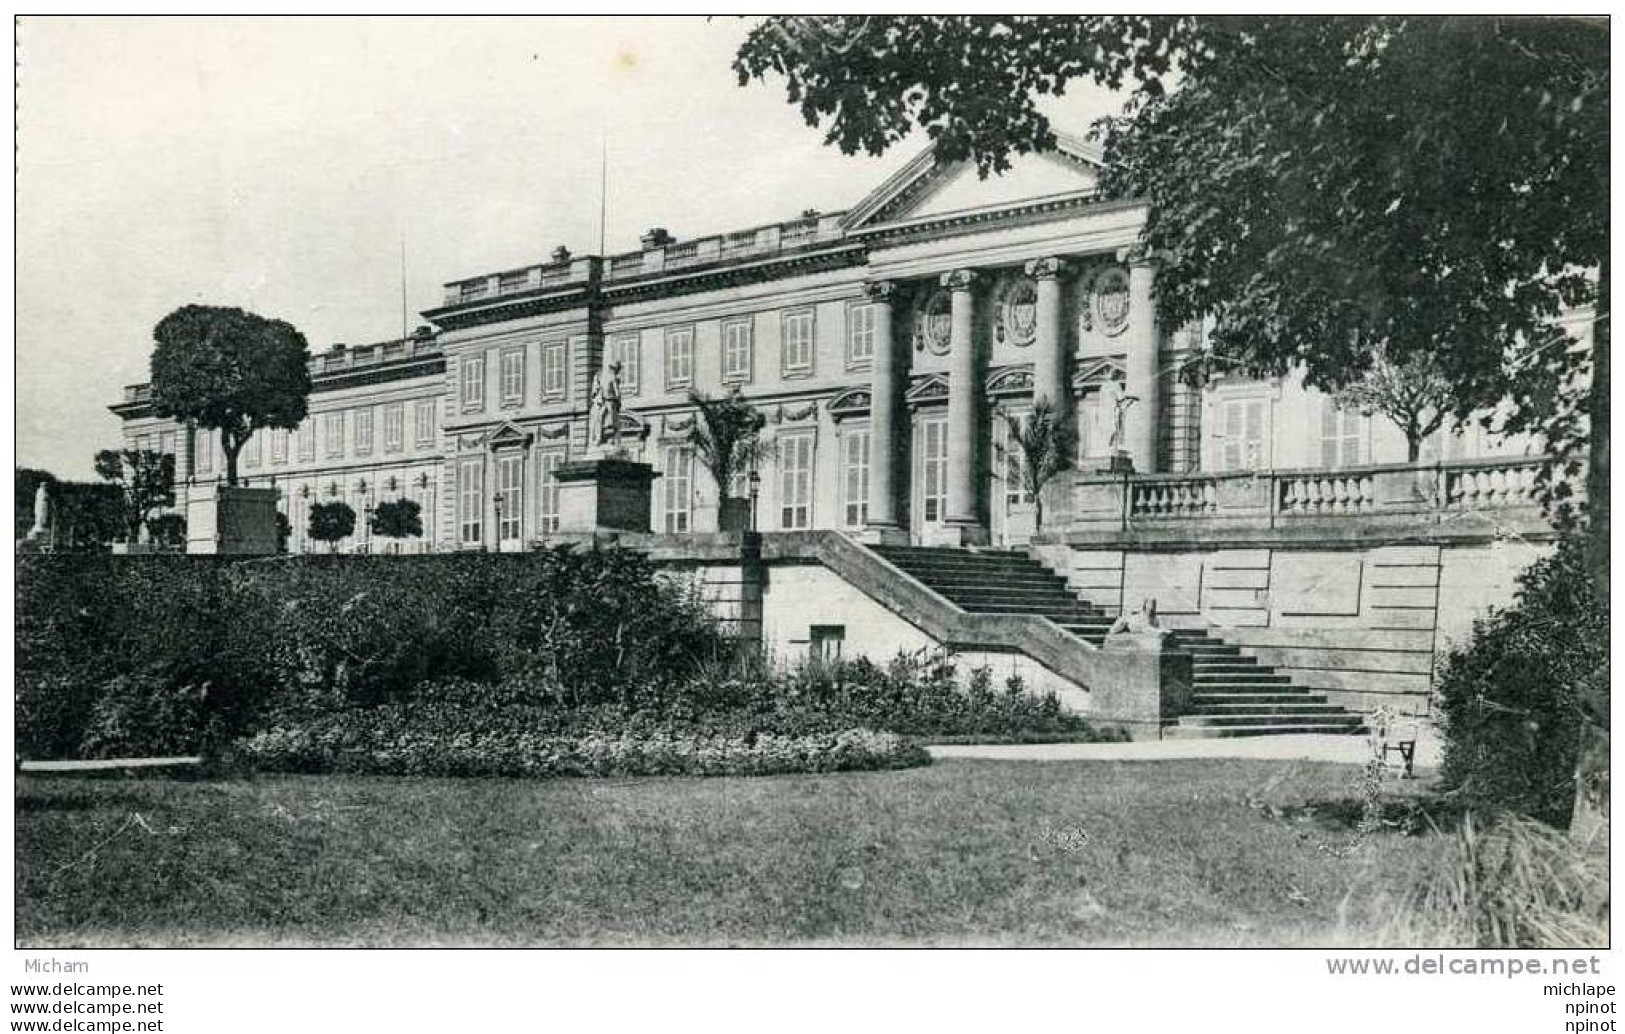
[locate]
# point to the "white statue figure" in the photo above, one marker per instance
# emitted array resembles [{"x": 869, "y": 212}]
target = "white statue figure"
[
  {"x": 605, "y": 405},
  {"x": 1139, "y": 624},
  {"x": 42, "y": 512},
  {"x": 1120, "y": 401}
]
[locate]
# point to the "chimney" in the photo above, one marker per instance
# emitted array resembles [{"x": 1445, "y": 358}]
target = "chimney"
[{"x": 657, "y": 237}]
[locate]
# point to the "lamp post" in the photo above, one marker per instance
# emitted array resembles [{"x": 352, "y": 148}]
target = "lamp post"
[
  {"x": 755, "y": 482},
  {"x": 496, "y": 501}
]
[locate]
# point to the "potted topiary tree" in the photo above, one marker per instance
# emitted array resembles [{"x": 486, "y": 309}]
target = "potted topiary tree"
[
  {"x": 727, "y": 440},
  {"x": 1045, "y": 444},
  {"x": 397, "y": 519},
  {"x": 332, "y": 522}
]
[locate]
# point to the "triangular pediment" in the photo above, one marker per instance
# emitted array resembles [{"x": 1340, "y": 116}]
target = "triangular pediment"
[
  {"x": 926, "y": 188},
  {"x": 927, "y": 388},
  {"x": 506, "y": 433}
]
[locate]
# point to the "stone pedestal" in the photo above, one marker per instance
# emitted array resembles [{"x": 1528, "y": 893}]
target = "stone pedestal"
[
  {"x": 607, "y": 493},
  {"x": 733, "y": 514},
  {"x": 1153, "y": 684},
  {"x": 231, "y": 520}
]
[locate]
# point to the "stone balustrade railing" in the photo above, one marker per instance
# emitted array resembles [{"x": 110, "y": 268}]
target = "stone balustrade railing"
[{"x": 1307, "y": 499}]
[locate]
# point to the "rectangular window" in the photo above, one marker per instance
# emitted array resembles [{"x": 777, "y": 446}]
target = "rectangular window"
[
  {"x": 205, "y": 453},
  {"x": 363, "y": 431},
  {"x": 307, "y": 439},
  {"x": 166, "y": 443},
  {"x": 555, "y": 370},
  {"x": 797, "y": 357},
  {"x": 425, "y": 421},
  {"x": 470, "y": 501},
  {"x": 251, "y": 450},
  {"x": 736, "y": 351},
  {"x": 855, "y": 477},
  {"x": 1342, "y": 436},
  {"x": 547, "y": 461},
  {"x": 1241, "y": 441},
  {"x": 860, "y": 334},
  {"x": 679, "y": 358},
  {"x": 677, "y": 493},
  {"x": 824, "y": 642},
  {"x": 795, "y": 482},
  {"x": 473, "y": 371},
  {"x": 333, "y": 433},
  {"x": 513, "y": 377},
  {"x": 395, "y": 427},
  {"x": 279, "y": 445},
  {"x": 510, "y": 495},
  {"x": 933, "y": 469},
  {"x": 1015, "y": 486},
  {"x": 627, "y": 350}
]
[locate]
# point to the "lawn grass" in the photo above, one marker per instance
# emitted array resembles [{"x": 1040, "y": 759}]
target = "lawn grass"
[{"x": 963, "y": 852}]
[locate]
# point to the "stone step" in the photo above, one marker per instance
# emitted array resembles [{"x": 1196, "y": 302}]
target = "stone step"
[
  {"x": 1284, "y": 728},
  {"x": 1014, "y": 593},
  {"x": 1256, "y": 677},
  {"x": 1295, "y": 705},
  {"x": 1294, "y": 696},
  {"x": 1271, "y": 718}
]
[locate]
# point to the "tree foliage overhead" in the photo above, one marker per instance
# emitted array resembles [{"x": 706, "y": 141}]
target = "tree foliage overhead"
[
  {"x": 146, "y": 480},
  {"x": 230, "y": 370}
]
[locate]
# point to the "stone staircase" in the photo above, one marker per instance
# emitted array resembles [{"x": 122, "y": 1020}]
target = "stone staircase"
[{"x": 1232, "y": 694}]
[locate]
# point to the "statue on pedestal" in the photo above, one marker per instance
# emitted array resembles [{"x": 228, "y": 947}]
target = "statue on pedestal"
[
  {"x": 1138, "y": 626},
  {"x": 604, "y": 407},
  {"x": 42, "y": 512}
]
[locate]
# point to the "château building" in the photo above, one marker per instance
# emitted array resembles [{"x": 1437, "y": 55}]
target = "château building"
[{"x": 885, "y": 344}]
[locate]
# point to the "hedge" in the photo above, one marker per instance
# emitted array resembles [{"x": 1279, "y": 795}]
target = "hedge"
[{"x": 385, "y": 742}]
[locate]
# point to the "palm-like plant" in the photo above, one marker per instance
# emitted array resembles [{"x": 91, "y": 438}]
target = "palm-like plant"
[
  {"x": 727, "y": 436},
  {"x": 1046, "y": 444}
]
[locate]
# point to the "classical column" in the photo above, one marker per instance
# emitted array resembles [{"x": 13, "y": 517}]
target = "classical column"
[
  {"x": 964, "y": 424},
  {"x": 885, "y": 392},
  {"x": 1140, "y": 342},
  {"x": 1049, "y": 349}
]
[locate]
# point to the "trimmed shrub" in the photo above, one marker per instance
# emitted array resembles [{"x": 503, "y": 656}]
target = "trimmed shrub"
[
  {"x": 396, "y": 739},
  {"x": 1514, "y": 700}
]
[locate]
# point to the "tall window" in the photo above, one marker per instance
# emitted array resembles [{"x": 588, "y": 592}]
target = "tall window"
[
  {"x": 307, "y": 439},
  {"x": 547, "y": 461},
  {"x": 736, "y": 351},
  {"x": 678, "y": 479},
  {"x": 855, "y": 477},
  {"x": 555, "y": 371},
  {"x": 251, "y": 450},
  {"x": 334, "y": 434},
  {"x": 1015, "y": 485},
  {"x": 205, "y": 453},
  {"x": 860, "y": 334},
  {"x": 395, "y": 427},
  {"x": 797, "y": 357},
  {"x": 470, "y": 500},
  {"x": 933, "y": 468},
  {"x": 513, "y": 376},
  {"x": 1241, "y": 443},
  {"x": 166, "y": 443},
  {"x": 1342, "y": 436},
  {"x": 679, "y": 357},
  {"x": 279, "y": 445},
  {"x": 363, "y": 431},
  {"x": 511, "y": 493},
  {"x": 425, "y": 421},
  {"x": 795, "y": 481},
  {"x": 627, "y": 350},
  {"x": 473, "y": 382}
]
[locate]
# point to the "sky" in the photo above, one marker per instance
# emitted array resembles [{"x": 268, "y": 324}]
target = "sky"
[{"x": 280, "y": 164}]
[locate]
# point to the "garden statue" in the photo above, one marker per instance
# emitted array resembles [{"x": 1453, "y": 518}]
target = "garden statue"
[
  {"x": 1140, "y": 623},
  {"x": 1120, "y": 403},
  {"x": 42, "y": 512},
  {"x": 605, "y": 405}
]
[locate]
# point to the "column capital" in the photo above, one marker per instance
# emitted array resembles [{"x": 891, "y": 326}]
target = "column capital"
[
  {"x": 1048, "y": 268},
  {"x": 1139, "y": 257},
  {"x": 882, "y": 290},
  {"x": 959, "y": 279}
]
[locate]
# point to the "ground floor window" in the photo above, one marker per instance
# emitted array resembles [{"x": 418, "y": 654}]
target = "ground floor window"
[
  {"x": 510, "y": 497},
  {"x": 677, "y": 490},
  {"x": 933, "y": 469},
  {"x": 795, "y": 482},
  {"x": 470, "y": 500},
  {"x": 825, "y": 642},
  {"x": 1342, "y": 436},
  {"x": 855, "y": 477},
  {"x": 547, "y": 463},
  {"x": 1242, "y": 430}
]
